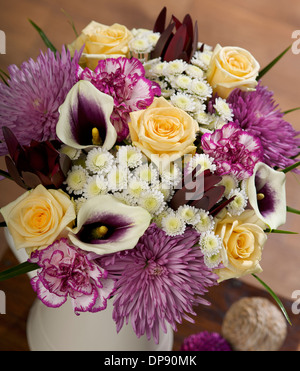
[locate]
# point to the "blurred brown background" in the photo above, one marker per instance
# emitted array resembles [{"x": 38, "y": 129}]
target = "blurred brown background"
[{"x": 263, "y": 27}]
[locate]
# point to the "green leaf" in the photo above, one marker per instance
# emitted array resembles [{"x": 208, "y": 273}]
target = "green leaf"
[
  {"x": 275, "y": 297},
  {"x": 43, "y": 36},
  {"x": 290, "y": 110},
  {"x": 270, "y": 65},
  {"x": 71, "y": 22},
  {"x": 289, "y": 168},
  {"x": 3, "y": 78},
  {"x": 18, "y": 270},
  {"x": 279, "y": 231},
  {"x": 291, "y": 210}
]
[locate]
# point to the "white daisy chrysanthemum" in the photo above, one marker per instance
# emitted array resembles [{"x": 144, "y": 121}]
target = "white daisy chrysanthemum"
[
  {"x": 223, "y": 109},
  {"x": 175, "y": 67},
  {"x": 239, "y": 203},
  {"x": 183, "y": 82},
  {"x": 213, "y": 261},
  {"x": 201, "y": 88},
  {"x": 125, "y": 198},
  {"x": 210, "y": 243},
  {"x": 183, "y": 101},
  {"x": 230, "y": 183},
  {"x": 140, "y": 45},
  {"x": 117, "y": 178},
  {"x": 152, "y": 37},
  {"x": 76, "y": 180},
  {"x": 173, "y": 224},
  {"x": 202, "y": 59},
  {"x": 99, "y": 160},
  {"x": 166, "y": 189},
  {"x": 157, "y": 69},
  {"x": 171, "y": 174},
  {"x": 79, "y": 202},
  {"x": 148, "y": 65},
  {"x": 189, "y": 214},
  {"x": 95, "y": 185},
  {"x": 202, "y": 118},
  {"x": 136, "y": 187},
  {"x": 129, "y": 156},
  {"x": 152, "y": 201},
  {"x": 206, "y": 222},
  {"x": 194, "y": 71},
  {"x": 147, "y": 173},
  {"x": 205, "y": 161},
  {"x": 159, "y": 217},
  {"x": 72, "y": 153}
]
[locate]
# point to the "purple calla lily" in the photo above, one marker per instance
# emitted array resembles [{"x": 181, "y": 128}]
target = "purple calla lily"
[
  {"x": 84, "y": 119},
  {"x": 106, "y": 225},
  {"x": 267, "y": 194}
]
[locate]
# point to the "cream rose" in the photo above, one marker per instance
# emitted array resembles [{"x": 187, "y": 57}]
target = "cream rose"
[
  {"x": 101, "y": 42},
  {"x": 243, "y": 240},
  {"x": 163, "y": 132},
  {"x": 38, "y": 217},
  {"x": 230, "y": 68}
]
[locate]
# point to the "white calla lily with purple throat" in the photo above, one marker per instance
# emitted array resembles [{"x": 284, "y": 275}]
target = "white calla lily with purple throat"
[
  {"x": 267, "y": 194},
  {"x": 84, "y": 119},
  {"x": 106, "y": 225}
]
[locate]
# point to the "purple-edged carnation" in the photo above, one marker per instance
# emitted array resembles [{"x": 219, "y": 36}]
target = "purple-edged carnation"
[
  {"x": 205, "y": 342},
  {"x": 159, "y": 281},
  {"x": 66, "y": 271},
  {"x": 234, "y": 150},
  {"x": 29, "y": 105},
  {"x": 124, "y": 80},
  {"x": 257, "y": 113}
]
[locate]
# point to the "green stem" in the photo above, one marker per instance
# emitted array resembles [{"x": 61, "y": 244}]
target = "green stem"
[
  {"x": 5, "y": 174},
  {"x": 18, "y": 270},
  {"x": 291, "y": 210}
]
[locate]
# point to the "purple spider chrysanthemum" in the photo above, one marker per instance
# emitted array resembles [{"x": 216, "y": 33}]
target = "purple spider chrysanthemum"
[
  {"x": 159, "y": 281},
  {"x": 124, "y": 80},
  {"x": 257, "y": 113},
  {"x": 235, "y": 151},
  {"x": 29, "y": 105}
]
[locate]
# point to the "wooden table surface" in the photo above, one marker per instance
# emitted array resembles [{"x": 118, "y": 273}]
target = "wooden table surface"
[{"x": 20, "y": 297}]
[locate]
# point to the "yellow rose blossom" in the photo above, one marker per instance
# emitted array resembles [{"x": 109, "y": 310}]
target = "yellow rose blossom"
[
  {"x": 38, "y": 217},
  {"x": 163, "y": 132},
  {"x": 230, "y": 68},
  {"x": 101, "y": 42},
  {"x": 243, "y": 240}
]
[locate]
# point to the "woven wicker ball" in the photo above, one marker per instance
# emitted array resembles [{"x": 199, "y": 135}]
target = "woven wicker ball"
[{"x": 254, "y": 324}]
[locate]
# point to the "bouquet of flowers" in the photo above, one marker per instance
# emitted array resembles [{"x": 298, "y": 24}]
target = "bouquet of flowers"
[{"x": 153, "y": 167}]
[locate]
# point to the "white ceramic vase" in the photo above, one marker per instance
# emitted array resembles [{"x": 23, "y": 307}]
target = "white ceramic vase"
[{"x": 59, "y": 329}]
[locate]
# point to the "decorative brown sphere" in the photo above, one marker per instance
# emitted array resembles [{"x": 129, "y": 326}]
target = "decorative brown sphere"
[{"x": 254, "y": 324}]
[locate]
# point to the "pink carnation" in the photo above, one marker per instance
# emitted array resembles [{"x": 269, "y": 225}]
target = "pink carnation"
[
  {"x": 66, "y": 271},
  {"x": 234, "y": 150},
  {"x": 124, "y": 80}
]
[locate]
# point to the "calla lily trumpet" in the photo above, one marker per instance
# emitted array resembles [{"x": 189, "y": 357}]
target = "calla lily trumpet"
[
  {"x": 106, "y": 225},
  {"x": 267, "y": 194},
  {"x": 84, "y": 119}
]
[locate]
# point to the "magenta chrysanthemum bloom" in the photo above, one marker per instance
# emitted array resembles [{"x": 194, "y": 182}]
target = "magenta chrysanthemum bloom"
[
  {"x": 234, "y": 150},
  {"x": 29, "y": 105},
  {"x": 66, "y": 271},
  {"x": 257, "y": 113},
  {"x": 159, "y": 281},
  {"x": 124, "y": 80},
  {"x": 206, "y": 342}
]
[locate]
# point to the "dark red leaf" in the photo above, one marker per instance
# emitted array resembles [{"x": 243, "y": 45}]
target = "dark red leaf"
[
  {"x": 203, "y": 203},
  {"x": 195, "y": 41},
  {"x": 30, "y": 179},
  {"x": 215, "y": 210},
  {"x": 160, "y": 22},
  {"x": 178, "y": 24},
  {"x": 12, "y": 143},
  {"x": 175, "y": 47},
  {"x": 214, "y": 195},
  {"x": 13, "y": 172},
  {"x": 163, "y": 42}
]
